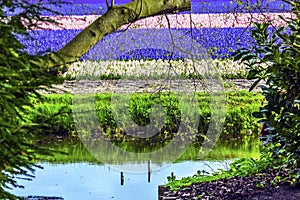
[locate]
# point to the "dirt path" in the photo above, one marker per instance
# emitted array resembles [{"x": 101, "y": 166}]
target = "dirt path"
[{"x": 127, "y": 86}]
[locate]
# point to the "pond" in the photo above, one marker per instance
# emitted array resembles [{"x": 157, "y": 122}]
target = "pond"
[
  {"x": 76, "y": 174},
  {"x": 84, "y": 180}
]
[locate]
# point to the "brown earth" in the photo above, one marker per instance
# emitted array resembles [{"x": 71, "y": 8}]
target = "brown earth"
[{"x": 256, "y": 187}]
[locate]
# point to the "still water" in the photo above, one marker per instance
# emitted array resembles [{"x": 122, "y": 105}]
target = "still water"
[{"x": 80, "y": 181}]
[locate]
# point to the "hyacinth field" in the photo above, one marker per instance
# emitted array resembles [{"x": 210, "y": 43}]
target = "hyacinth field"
[{"x": 218, "y": 28}]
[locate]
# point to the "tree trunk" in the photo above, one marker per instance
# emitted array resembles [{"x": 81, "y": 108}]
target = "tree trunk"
[{"x": 113, "y": 19}]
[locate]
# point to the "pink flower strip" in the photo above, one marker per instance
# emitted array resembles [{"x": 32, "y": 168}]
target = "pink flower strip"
[{"x": 176, "y": 21}]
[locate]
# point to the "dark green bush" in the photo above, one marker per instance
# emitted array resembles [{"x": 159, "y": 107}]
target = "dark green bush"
[
  {"x": 21, "y": 76},
  {"x": 276, "y": 59}
]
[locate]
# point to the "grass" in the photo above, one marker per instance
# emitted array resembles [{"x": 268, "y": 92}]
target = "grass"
[
  {"x": 58, "y": 113},
  {"x": 239, "y": 138}
]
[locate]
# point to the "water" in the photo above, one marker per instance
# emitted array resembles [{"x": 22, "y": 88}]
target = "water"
[{"x": 74, "y": 181}]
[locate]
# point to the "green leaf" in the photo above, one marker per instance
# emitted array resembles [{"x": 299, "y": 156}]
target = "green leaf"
[
  {"x": 254, "y": 84},
  {"x": 257, "y": 115},
  {"x": 252, "y": 74}
]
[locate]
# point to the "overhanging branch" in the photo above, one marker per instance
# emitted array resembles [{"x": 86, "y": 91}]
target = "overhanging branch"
[{"x": 113, "y": 19}]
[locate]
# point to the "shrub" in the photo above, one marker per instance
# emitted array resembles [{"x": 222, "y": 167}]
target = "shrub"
[
  {"x": 20, "y": 77},
  {"x": 276, "y": 59}
]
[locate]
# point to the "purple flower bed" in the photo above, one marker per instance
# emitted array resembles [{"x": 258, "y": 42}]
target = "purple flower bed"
[
  {"x": 145, "y": 43},
  {"x": 93, "y": 7},
  {"x": 224, "y": 6},
  {"x": 218, "y": 42},
  {"x": 42, "y": 41}
]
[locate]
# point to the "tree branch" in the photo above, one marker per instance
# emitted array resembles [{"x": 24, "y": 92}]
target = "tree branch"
[{"x": 113, "y": 19}]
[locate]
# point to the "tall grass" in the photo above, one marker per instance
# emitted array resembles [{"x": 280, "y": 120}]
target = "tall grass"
[{"x": 240, "y": 132}]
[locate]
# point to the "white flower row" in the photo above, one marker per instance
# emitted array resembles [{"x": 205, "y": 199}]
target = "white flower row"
[{"x": 154, "y": 69}]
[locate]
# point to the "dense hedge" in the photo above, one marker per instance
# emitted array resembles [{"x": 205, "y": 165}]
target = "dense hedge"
[{"x": 239, "y": 127}]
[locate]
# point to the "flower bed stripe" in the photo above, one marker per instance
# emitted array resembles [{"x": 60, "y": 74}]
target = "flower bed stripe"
[
  {"x": 176, "y": 21},
  {"x": 219, "y": 33},
  {"x": 222, "y": 40},
  {"x": 82, "y": 7}
]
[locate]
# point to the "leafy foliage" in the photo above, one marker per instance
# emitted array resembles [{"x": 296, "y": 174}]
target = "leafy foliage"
[
  {"x": 276, "y": 59},
  {"x": 21, "y": 76},
  {"x": 239, "y": 167},
  {"x": 54, "y": 114}
]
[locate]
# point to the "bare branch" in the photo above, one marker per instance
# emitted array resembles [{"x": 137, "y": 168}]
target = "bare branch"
[
  {"x": 107, "y": 4},
  {"x": 108, "y": 23}
]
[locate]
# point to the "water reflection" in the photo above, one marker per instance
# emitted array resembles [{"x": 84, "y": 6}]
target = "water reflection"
[{"x": 89, "y": 181}]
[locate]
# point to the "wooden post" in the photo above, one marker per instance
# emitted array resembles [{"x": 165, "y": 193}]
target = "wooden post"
[
  {"x": 122, "y": 178},
  {"x": 149, "y": 171}
]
